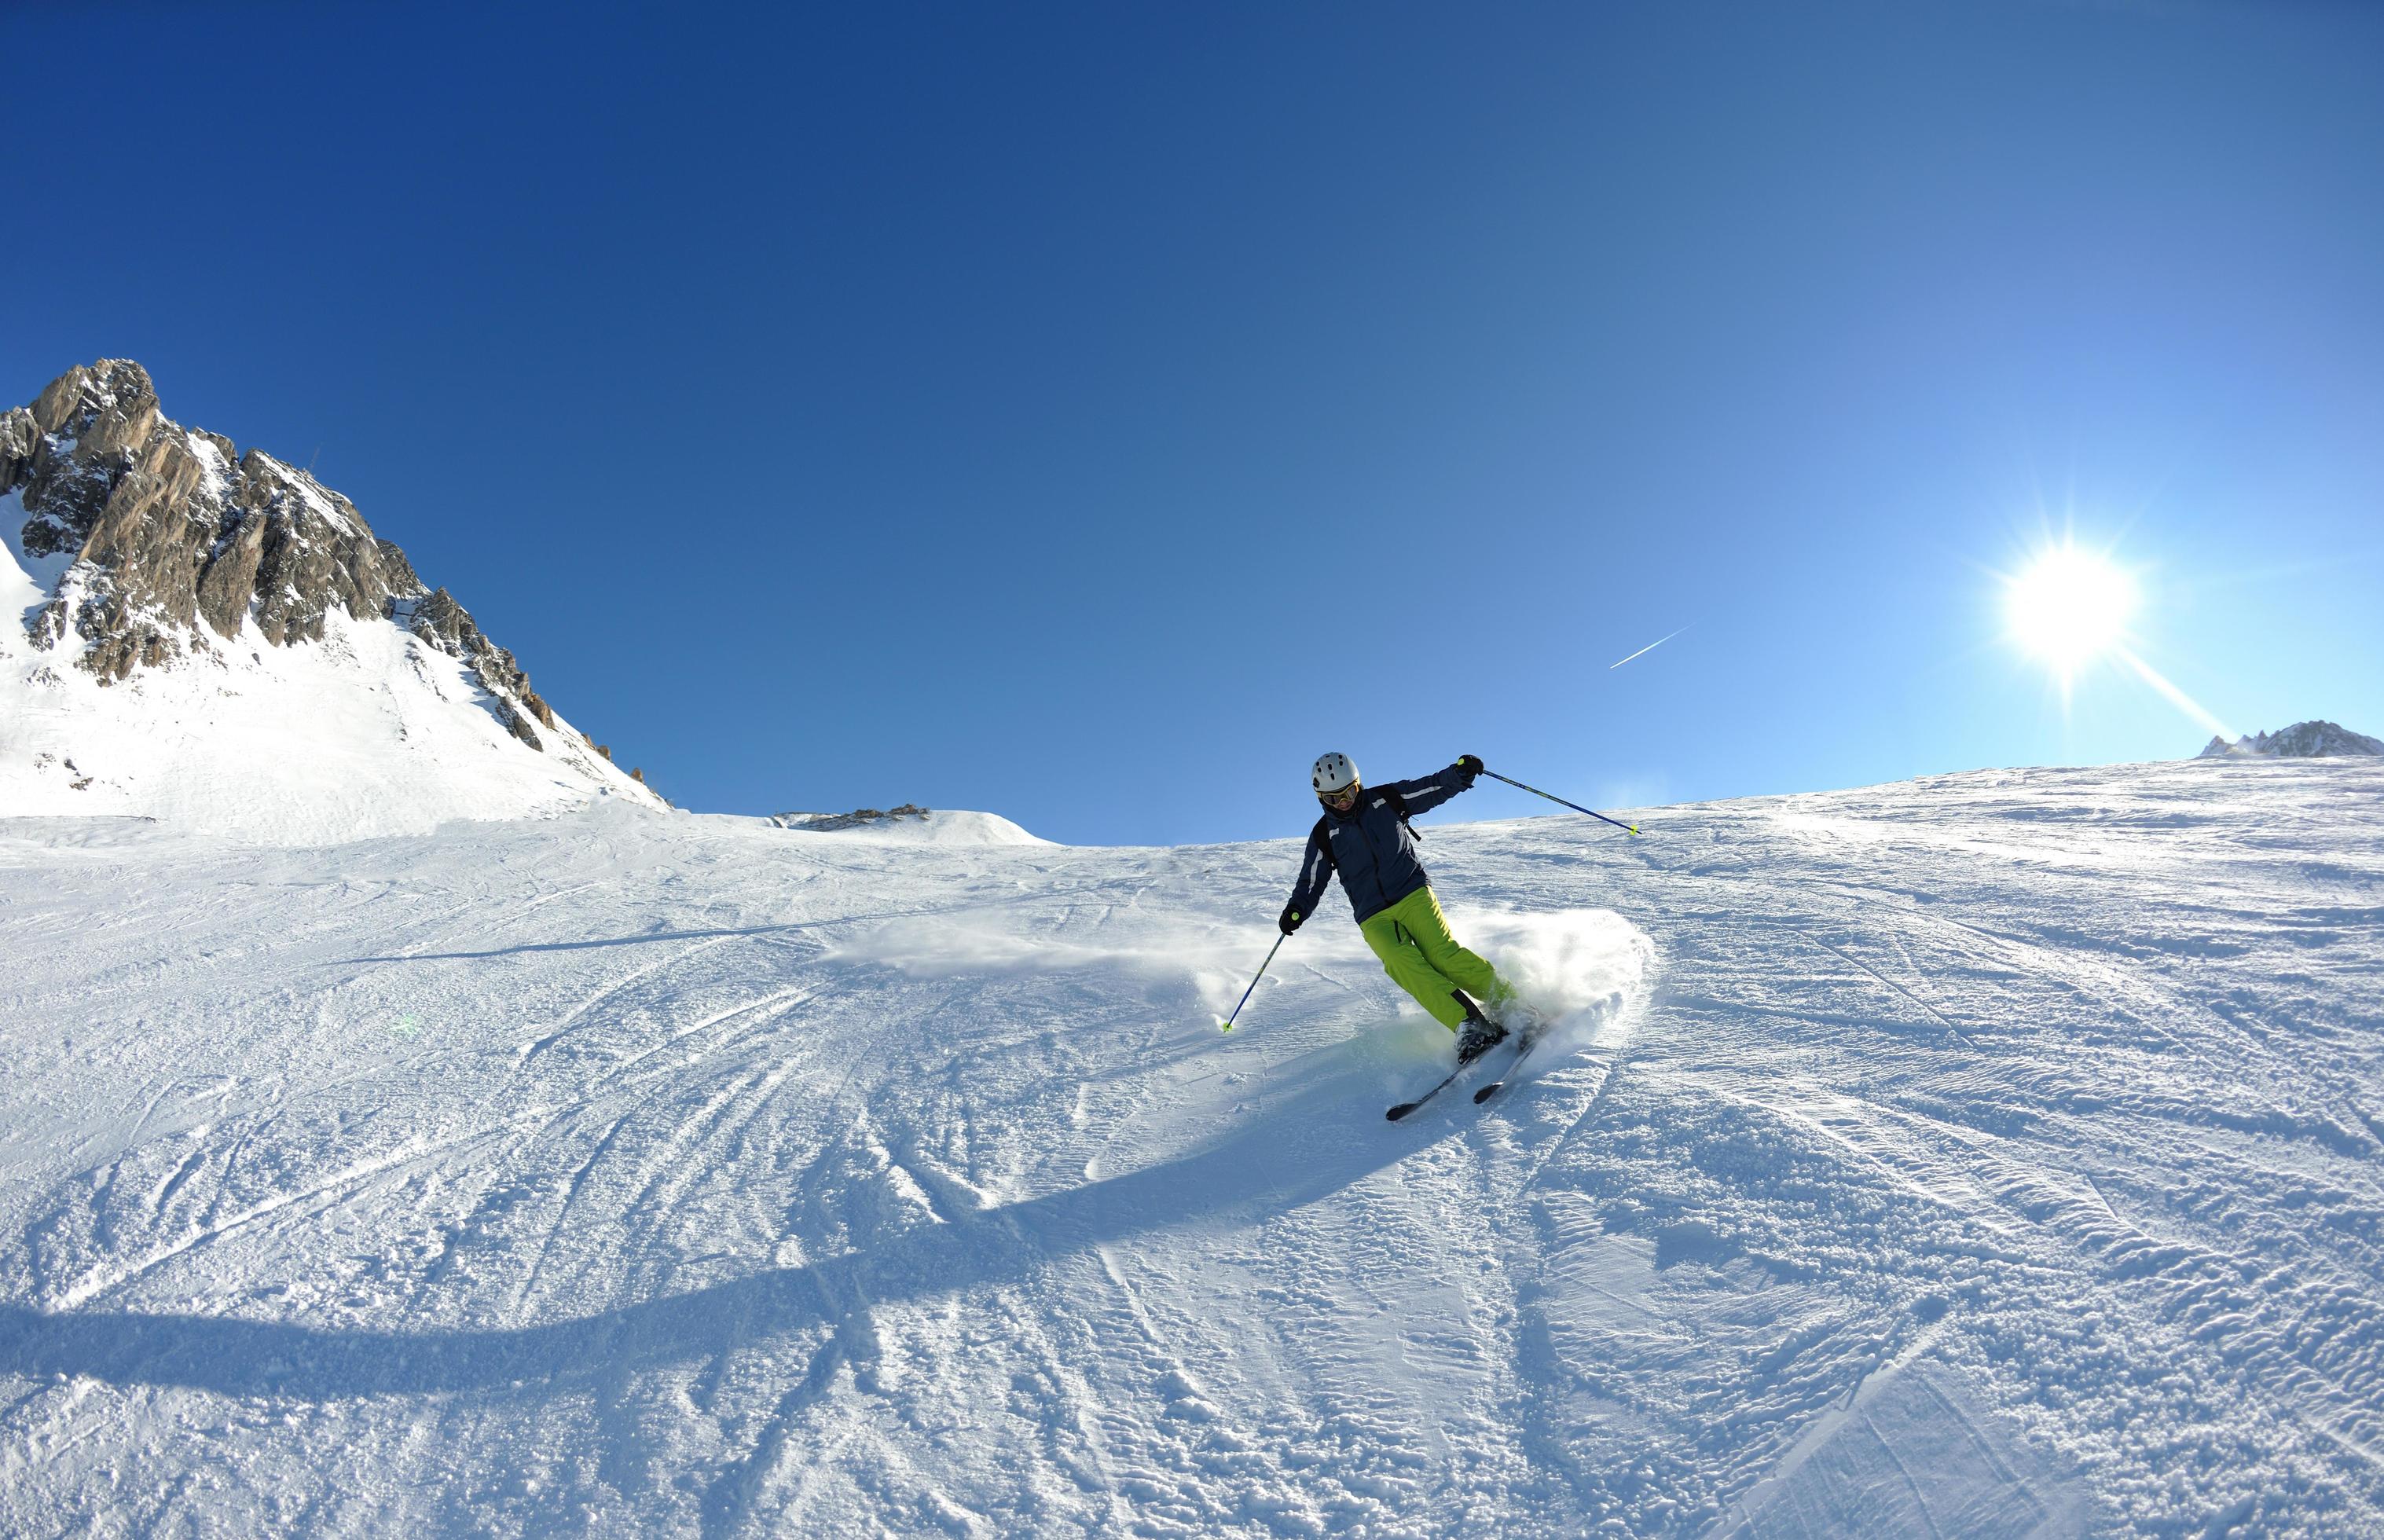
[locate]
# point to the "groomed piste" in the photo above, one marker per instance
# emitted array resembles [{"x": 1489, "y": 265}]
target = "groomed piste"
[{"x": 1991, "y": 1155}]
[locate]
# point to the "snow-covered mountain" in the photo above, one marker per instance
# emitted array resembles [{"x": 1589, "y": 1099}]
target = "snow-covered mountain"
[
  {"x": 2302, "y": 740},
  {"x": 217, "y": 639},
  {"x": 1995, "y": 1155}
]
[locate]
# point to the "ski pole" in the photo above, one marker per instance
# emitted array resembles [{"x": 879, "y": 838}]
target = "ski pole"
[
  {"x": 1227, "y": 1025},
  {"x": 1560, "y": 800}
]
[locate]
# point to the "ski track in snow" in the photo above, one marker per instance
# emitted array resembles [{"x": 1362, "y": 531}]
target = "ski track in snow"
[{"x": 1995, "y": 1154}]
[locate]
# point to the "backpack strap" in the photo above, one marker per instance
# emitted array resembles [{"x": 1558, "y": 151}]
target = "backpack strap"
[{"x": 1400, "y": 806}]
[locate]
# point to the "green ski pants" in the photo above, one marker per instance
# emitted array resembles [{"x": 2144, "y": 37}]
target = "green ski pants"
[{"x": 1412, "y": 940}]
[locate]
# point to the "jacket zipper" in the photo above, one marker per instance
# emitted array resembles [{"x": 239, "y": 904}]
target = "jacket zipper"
[{"x": 1375, "y": 856}]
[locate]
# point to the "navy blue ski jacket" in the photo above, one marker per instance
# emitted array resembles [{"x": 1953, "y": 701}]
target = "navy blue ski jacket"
[{"x": 1370, "y": 845}]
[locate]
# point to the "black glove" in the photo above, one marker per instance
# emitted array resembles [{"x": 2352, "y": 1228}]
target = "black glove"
[
  {"x": 1290, "y": 921},
  {"x": 1470, "y": 765}
]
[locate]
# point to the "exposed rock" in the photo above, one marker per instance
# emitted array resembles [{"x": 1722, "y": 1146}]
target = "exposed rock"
[
  {"x": 18, "y": 438},
  {"x": 447, "y": 626},
  {"x": 639, "y": 776},
  {"x": 860, "y": 817},
  {"x": 2314, "y": 740},
  {"x": 168, "y": 530},
  {"x": 67, "y": 484}
]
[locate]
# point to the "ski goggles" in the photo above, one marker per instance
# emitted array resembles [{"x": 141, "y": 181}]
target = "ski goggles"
[{"x": 1340, "y": 800}]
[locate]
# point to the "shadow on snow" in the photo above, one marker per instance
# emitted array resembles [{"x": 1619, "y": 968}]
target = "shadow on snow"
[{"x": 1325, "y": 1136}]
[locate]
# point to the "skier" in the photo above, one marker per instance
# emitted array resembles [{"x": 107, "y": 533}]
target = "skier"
[{"x": 1364, "y": 836}]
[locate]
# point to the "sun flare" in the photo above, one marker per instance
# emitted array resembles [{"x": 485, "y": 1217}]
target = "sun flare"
[{"x": 2069, "y": 607}]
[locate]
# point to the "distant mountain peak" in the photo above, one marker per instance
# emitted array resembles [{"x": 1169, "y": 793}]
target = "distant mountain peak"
[
  {"x": 173, "y": 540},
  {"x": 141, "y": 550},
  {"x": 2314, "y": 740}
]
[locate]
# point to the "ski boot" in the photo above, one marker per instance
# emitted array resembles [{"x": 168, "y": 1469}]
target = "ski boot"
[{"x": 1478, "y": 1034}]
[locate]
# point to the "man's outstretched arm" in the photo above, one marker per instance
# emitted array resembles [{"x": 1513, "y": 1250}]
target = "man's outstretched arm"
[{"x": 1427, "y": 792}]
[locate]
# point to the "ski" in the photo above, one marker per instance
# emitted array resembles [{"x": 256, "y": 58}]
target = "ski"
[
  {"x": 1531, "y": 1038},
  {"x": 1404, "y": 1108},
  {"x": 1485, "y": 1093}
]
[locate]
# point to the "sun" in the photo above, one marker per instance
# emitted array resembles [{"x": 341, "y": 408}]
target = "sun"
[{"x": 2069, "y": 607}]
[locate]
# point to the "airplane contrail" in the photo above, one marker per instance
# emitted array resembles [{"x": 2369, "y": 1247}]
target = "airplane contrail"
[{"x": 1645, "y": 651}]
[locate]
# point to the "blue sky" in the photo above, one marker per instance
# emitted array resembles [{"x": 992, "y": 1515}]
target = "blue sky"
[{"x": 1093, "y": 412}]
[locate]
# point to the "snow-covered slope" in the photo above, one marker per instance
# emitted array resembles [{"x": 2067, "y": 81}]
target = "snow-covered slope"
[
  {"x": 1992, "y": 1155},
  {"x": 369, "y": 731},
  {"x": 224, "y": 643}
]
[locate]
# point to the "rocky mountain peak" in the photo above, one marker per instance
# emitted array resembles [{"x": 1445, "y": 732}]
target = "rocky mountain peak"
[
  {"x": 167, "y": 531},
  {"x": 152, "y": 545},
  {"x": 2313, "y": 739}
]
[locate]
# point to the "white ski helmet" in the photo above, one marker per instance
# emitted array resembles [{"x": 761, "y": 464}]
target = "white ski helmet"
[{"x": 1334, "y": 773}]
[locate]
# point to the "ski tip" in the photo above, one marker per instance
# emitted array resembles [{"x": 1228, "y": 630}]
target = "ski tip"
[
  {"x": 1484, "y": 1094},
  {"x": 1402, "y": 1109}
]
